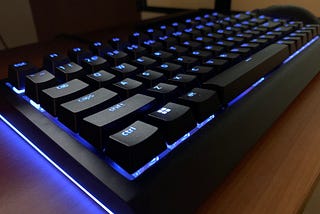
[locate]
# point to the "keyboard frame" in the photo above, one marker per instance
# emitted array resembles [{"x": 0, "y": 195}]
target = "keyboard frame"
[{"x": 183, "y": 179}]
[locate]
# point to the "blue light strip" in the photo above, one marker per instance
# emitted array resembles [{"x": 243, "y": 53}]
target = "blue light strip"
[
  {"x": 300, "y": 50},
  {"x": 55, "y": 165}
]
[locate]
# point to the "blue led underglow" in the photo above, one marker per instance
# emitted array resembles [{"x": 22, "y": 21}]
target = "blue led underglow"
[
  {"x": 301, "y": 49},
  {"x": 55, "y": 164},
  {"x": 97, "y": 44},
  {"x": 18, "y": 91},
  {"x": 36, "y": 105}
]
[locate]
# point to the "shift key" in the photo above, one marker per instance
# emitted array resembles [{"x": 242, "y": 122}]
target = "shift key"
[
  {"x": 97, "y": 127},
  {"x": 241, "y": 76}
]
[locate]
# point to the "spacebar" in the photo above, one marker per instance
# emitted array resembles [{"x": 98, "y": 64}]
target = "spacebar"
[{"x": 241, "y": 76}]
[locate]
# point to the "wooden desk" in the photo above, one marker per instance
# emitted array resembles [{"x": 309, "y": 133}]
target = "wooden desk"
[{"x": 276, "y": 176}]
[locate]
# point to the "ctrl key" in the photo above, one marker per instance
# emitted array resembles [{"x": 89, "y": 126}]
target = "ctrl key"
[{"x": 135, "y": 146}]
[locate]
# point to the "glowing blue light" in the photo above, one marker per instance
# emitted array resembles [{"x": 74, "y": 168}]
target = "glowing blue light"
[
  {"x": 164, "y": 66},
  {"x": 128, "y": 131},
  {"x": 36, "y": 105},
  {"x": 188, "y": 30},
  {"x": 245, "y": 45},
  {"x": 191, "y": 94},
  {"x": 173, "y": 48},
  {"x": 180, "y": 59},
  {"x": 55, "y": 164},
  {"x": 150, "y": 30},
  {"x": 136, "y": 34},
  {"x": 200, "y": 27},
  {"x": 195, "y": 69},
  {"x": 70, "y": 65},
  {"x": 18, "y": 91},
  {"x": 209, "y": 24},
  {"x": 62, "y": 67},
  {"x": 116, "y": 39},
  {"x": 198, "y": 18},
  {"x": 157, "y": 87},
  {"x": 116, "y": 107},
  {"x": 301, "y": 49},
  {"x": 210, "y": 61},
  {"x": 97, "y": 44},
  {"x": 163, "y": 27},
  {"x": 235, "y": 50},
  {"x": 20, "y": 64},
  {"x": 186, "y": 43},
  {"x": 224, "y": 55},
  {"x": 220, "y": 43},
  {"x": 164, "y": 110},
  {"x": 121, "y": 67},
  {"x": 86, "y": 98},
  {"x": 175, "y": 24},
  {"x": 62, "y": 86},
  {"x": 124, "y": 83},
  {"x": 199, "y": 38},
  {"x": 209, "y": 47},
  {"x": 97, "y": 74},
  {"x": 149, "y": 42},
  {"x": 76, "y": 49},
  {"x": 163, "y": 38},
  {"x": 140, "y": 60},
  {"x": 220, "y": 31},
  {"x": 249, "y": 59},
  {"x": 188, "y": 20},
  {"x": 146, "y": 73},
  {"x": 178, "y": 33},
  {"x": 53, "y": 55},
  {"x": 177, "y": 77},
  {"x": 94, "y": 58},
  {"x": 157, "y": 53},
  {"x": 195, "y": 52}
]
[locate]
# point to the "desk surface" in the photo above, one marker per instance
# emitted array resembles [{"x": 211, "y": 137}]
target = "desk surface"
[{"x": 276, "y": 176}]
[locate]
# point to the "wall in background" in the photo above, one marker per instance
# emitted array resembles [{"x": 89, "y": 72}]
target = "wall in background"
[{"x": 16, "y": 23}]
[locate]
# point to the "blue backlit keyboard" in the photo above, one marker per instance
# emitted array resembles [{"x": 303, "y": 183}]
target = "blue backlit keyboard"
[{"x": 153, "y": 124}]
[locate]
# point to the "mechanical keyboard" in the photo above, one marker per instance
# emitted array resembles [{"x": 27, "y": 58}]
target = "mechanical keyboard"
[{"x": 153, "y": 124}]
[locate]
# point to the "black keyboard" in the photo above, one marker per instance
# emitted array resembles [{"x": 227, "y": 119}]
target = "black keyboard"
[{"x": 153, "y": 124}]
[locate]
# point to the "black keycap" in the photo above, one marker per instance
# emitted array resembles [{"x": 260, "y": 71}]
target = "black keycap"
[
  {"x": 144, "y": 62},
  {"x": 51, "y": 98},
  {"x": 186, "y": 61},
  {"x": 217, "y": 64},
  {"x": 236, "y": 79},
  {"x": 201, "y": 55},
  {"x": 37, "y": 82},
  {"x": 204, "y": 40},
  {"x": 178, "y": 50},
  {"x": 180, "y": 36},
  {"x": 78, "y": 54},
  {"x": 53, "y": 60},
  {"x": 135, "y": 145},
  {"x": 94, "y": 63},
  {"x": 124, "y": 70},
  {"x": 162, "y": 56},
  {"x": 150, "y": 78},
  {"x": 203, "y": 102},
  {"x": 167, "y": 41},
  {"x": 100, "y": 79},
  {"x": 96, "y": 128},
  {"x": 153, "y": 33},
  {"x": 174, "y": 120},
  {"x": 184, "y": 81},
  {"x": 291, "y": 45},
  {"x": 191, "y": 45},
  {"x": 116, "y": 57},
  {"x": 17, "y": 73},
  {"x": 214, "y": 49},
  {"x": 164, "y": 92},
  {"x": 100, "y": 49},
  {"x": 127, "y": 87},
  {"x": 137, "y": 38},
  {"x": 192, "y": 32},
  {"x": 70, "y": 113},
  {"x": 169, "y": 69},
  {"x": 115, "y": 43},
  {"x": 202, "y": 72},
  {"x": 69, "y": 71},
  {"x": 152, "y": 45},
  {"x": 136, "y": 51}
]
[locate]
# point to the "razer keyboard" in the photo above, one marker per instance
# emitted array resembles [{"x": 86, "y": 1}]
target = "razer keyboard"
[{"x": 154, "y": 123}]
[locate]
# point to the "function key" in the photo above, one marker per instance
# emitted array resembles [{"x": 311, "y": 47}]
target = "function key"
[
  {"x": 18, "y": 71},
  {"x": 53, "y": 60},
  {"x": 37, "y": 82},
  {"x": 78, "y": 54}
]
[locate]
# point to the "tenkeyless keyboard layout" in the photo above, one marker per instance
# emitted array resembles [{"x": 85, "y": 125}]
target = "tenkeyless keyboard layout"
[{"x": 153, "y": 124}]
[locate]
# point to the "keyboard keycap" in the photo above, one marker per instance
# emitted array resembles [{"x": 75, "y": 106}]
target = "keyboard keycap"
[
  {"x": 150, "y": 78},
  {"x": 101, "y": 79},
  {"x": 69, "y": 71},
  {"x": 127, "y": 87},
  {"x": 53, "y": 60},
  {"x": 51, "y": 98},
  {"x": 70, "y": 113},
  {"x": 203, "y": 102},
  {"x": 17, "y": 73},
  {"x": 37, "y": 82},
  {"x": 234, "y": 80},
  {"x": 135, "y": 145},
  {"x": 96, "y": 128},
  {"x": 174, "y": 120},
  {"x": 94, "y": 63}
]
